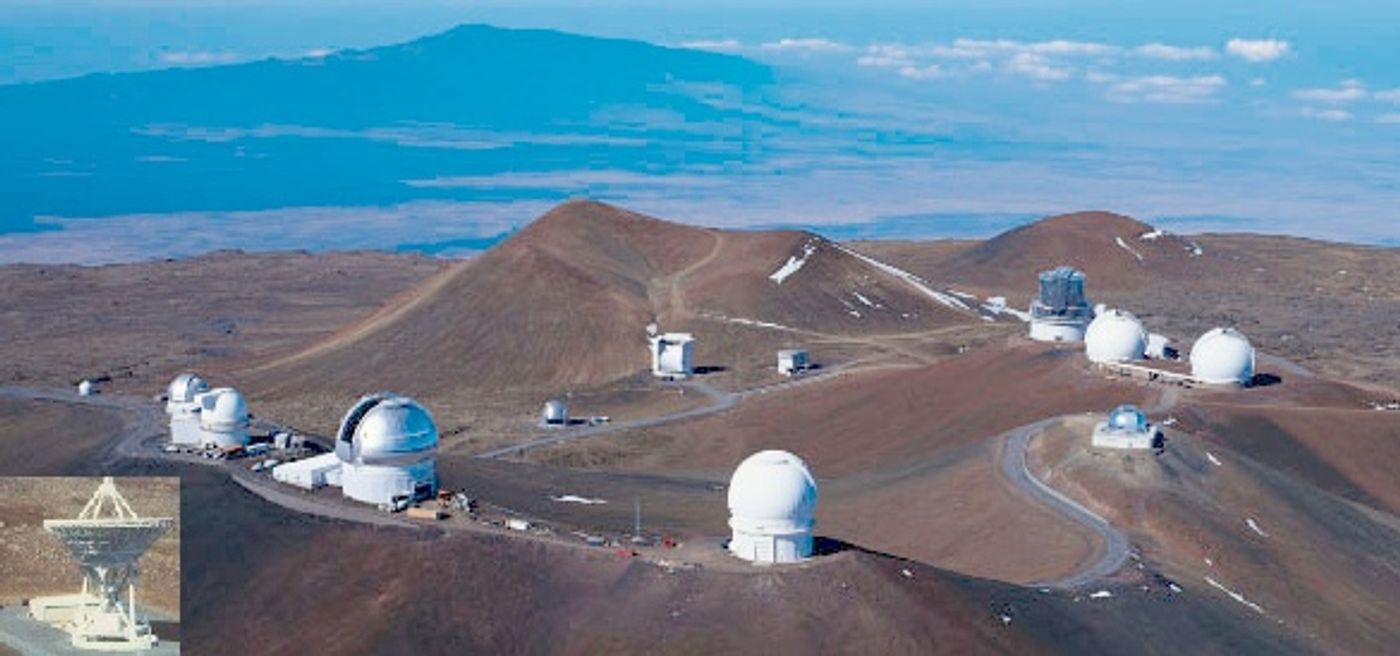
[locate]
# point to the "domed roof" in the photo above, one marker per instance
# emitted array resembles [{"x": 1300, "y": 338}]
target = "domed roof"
[
  {"x": 1127, "y": 418},
  {"x": 1222, "y": 355},
  {"x": 223, "y": 406},
  {"x": 184, "y": 388},
  {"x": 387, "y": 425},
  {"x": 773, "y": 486},
  {"x": 1115, "y": 336}
]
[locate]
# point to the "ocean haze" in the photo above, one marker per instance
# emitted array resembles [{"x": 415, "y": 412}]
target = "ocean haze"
[{"x": 446, "y": 142}]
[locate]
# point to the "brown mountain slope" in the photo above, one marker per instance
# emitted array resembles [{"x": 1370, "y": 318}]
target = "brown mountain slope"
[
  {"x": 565, "y": 302},
  {"x": 1089, "y": 241}
]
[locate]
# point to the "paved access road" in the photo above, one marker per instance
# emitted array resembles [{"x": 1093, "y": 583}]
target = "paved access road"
[{"x": 1013, "y": 466}]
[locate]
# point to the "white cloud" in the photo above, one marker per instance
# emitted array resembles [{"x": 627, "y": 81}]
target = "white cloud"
[
  {"x": 1391, "y": 96},
  {"x": 1175, "y": 53},
  {"x": 1164, "y": 89},
  {"x": 1393, "y": 119},
  {"x": 1257, "y": 50},
  {"x": 921, "y": 73},
  {"x": 812, "y": 44},
  {"x": 318, "y": 53},
  {"x": 1257, "y": 82},
  {"x": 885, "y": 56},
  {"x": 196, "y": 58},
  {"x": 1326, "y": 114},
  {"x": 722, "y": 44},
  {"x": 1345, "y": 92},
  {"x": 981, "y": 48},
  {"x": 1037, "y": 67}
]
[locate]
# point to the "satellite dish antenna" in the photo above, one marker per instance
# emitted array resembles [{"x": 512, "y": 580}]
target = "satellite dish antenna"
[
  {"x": 107, "y": 539},
  {"x": 652, "y": 329}
]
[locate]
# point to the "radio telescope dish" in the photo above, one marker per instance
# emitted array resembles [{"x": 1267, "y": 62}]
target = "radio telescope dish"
[{"x": 107, "y": 539}]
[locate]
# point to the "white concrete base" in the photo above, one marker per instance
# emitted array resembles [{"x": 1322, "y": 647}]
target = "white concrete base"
[
  {"x": 771, "y": 549},
  {"x": 1107, "y": 438},
  {"x": 1057, "y": 331}
]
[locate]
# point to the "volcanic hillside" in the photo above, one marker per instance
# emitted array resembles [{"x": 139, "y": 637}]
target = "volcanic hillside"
[
  {"x": 1115, "y": 251},
  {"x": 565, "y": 302}
]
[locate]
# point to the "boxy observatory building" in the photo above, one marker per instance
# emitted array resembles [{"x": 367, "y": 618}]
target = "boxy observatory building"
[
  {"x": 106, "y": 539},
  {"x": 183, "y": 408},
  {"x": 385, "y": 451},
  {"x": 672, "y": 355},
  {"x": 1060, "y": 313},
  {"x": 1222, "y": 356},
  {"x": 1126, "y": 428},
  {"x": 1115, "y": 336},
  {"x": 205, "y": 418},
  {"x": 772, "y": 497}
]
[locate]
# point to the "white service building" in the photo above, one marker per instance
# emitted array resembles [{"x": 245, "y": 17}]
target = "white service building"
[
  {"x": 310, "y": 473},
  {"x": 555, "y": 413},
  {"x": 183, "y": 408},
  {"x": 792, "y": 361},
  {"x": 1125, "y": 428},
  {"x": 1115, "y": 336},
  {"x": 1222, "y": 356},
  {"x": 672, "y": 355},
  {"x": 772, "y": 497}
]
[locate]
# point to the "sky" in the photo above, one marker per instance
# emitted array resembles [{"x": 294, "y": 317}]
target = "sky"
[{"x": 1246, "y": 115}]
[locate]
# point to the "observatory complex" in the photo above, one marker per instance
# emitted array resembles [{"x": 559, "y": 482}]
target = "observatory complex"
[
  {"x": 202, "y": 417},
  {"x": 1222, "y": 356},
  {"x": 106, "y": 539},
  {"x": 1060, "y": 313},
  {"x": 772, "y": 496},
  {"x": 1126, "y": 428},
  {"x": 1115, "y": 336},
  {"x": 672, "y": 355},
  {"x": 385, "y": 453}
]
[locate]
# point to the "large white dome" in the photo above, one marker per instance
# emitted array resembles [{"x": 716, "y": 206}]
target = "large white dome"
[
  {"x": 1115, "y": 336},
  {"x": 1222, "y": 355},
  {"x": 773, "y": 486},
  {"x": 185, "y": 387},
  {"x": 228, "y": 410},
  {"x": 386, "y": 427}
]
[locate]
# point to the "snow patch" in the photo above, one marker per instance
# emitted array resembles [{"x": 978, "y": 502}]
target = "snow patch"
[
  {"x": 753, "y": 322},
  {"x": 1005, "y": 619},
  {"x": 997, "y": 305},
  {"x": 861, "y": 297},
  {"x": 1101, "y": 594},
  {"x": 962, "y": 295},
  {"x": 1235, "y": 595},
  {"x": 1174, "y": 588},
  {"x": 793, "y": 264},
  {"x": 853, "y": 313},
  {"x": 1213, "y": 460},
  {"x": 913, "y": 280},
  {"x": 1124, "y": 245},
  {"x": 1155, "y": 233},
  {"x": 1254, "y": 526},
  {"x": 574, "y": 498},
  {"x": 1194, "y": 249}
]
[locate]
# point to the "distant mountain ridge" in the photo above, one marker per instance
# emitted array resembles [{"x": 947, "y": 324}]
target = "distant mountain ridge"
[{"x": 349, "y": 128}]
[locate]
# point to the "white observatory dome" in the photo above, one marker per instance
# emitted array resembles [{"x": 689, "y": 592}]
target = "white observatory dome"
[
  {"x": 772, "y": 496},
  {"x": 223, "y": 418},
  {"x": 1127, "y": 418},
  {"x": 1115, "y": 336},
  {"x": 388, "y": 444},
  {"x": 1222, "y": 355},
  {"x": 184, "y": 388}
]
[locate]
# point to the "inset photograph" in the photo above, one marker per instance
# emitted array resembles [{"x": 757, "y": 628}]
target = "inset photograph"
[{"x": 89, "y": 565}]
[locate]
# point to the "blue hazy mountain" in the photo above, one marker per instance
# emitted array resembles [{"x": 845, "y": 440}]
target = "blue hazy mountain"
[{"x": 351, "y": 127}]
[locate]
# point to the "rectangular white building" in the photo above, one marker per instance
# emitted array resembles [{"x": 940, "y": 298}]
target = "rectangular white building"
[
  {"x": 672, "y": 355},
  {"x": 310, "y": 473}
]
